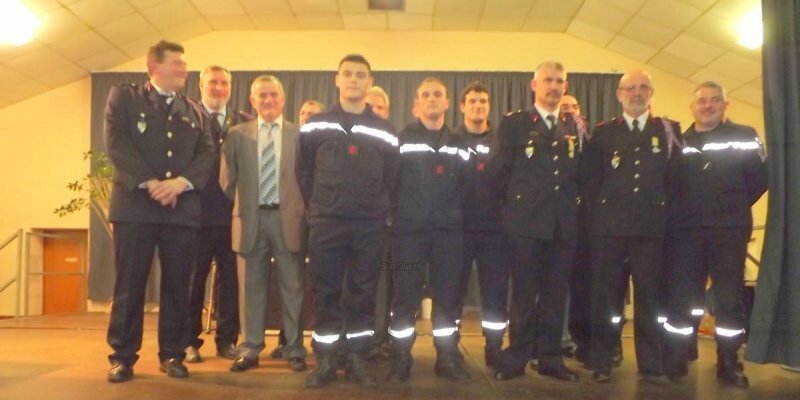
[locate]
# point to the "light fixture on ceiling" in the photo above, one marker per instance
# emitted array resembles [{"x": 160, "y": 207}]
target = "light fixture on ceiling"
[
  {"x": 751, "y": 29},
  {"x": 18, "y": 24},
  {"x": 386, "y": 5}
]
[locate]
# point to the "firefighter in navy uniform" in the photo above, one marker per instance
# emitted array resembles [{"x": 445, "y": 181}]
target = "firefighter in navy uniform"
[
  {"x": 346, "y": 168},
  {"x": 629, "y": 161},
  {"x": 535, "y": 172},
  {"x": 485, "y": 240},
  {"x": 162, "y": 160},
  {"x": 428, "y": 234},
  {"x": 722, "y": 174}
]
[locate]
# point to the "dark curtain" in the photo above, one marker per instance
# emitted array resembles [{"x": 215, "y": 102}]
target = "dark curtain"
[
  {"x": 775, "y": 323},
  {"x": 509, "y": 91}
]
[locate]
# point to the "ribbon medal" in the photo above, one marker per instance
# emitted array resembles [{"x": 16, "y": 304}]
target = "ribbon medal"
[
  {"x": 571, "y": 146},
  {"x": 655, "y": 144}
]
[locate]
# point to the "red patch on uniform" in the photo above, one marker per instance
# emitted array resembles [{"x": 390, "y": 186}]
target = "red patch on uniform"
[
  {"x": 352, "y": 150},
  {"x": 481, "y": 166},
  {"x": 439, "y": 170}
]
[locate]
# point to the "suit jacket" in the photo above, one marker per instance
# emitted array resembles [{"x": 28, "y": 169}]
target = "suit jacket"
[
  {"x": 216, "y": 206},
  {"x": 239, "y": 180},
  {"x": 631, "y": 173},
  {"x": 534, "y": 171},
  {"x": 146, "y": 140}
]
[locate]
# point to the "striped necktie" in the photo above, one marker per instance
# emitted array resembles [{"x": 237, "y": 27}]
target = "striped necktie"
[{"x": 268, "y": 172}]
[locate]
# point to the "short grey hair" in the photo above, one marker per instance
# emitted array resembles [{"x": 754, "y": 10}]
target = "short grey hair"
[
  {"x": 267, "y": 78},
  {"x": 550, "y": 64},
  {"x": 712, "y": 85}
]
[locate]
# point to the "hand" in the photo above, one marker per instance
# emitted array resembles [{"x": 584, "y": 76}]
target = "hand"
[{"x": 166, "y": 192}]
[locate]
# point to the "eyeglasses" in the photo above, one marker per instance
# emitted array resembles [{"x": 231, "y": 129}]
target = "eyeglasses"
[{"x": 632, "y": 88}]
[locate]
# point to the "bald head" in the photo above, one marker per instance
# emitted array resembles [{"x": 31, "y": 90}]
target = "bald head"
[{"x": 634, "y": 92}]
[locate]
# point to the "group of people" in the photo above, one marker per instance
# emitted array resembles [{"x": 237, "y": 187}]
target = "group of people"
[{"x": 557, "y": 208}]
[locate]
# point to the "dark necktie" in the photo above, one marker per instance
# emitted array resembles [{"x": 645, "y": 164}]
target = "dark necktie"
[
  {"x": 216, "y": 128},
  {"x": 636, "y": 127},
  {"x": 552, "y": 122}
]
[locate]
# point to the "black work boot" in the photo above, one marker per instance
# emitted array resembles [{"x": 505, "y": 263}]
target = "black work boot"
[
  {"x": 325, "y": 371},
  {"x": 450, "y": 367},
  {"x": 357, "y": 370},
  {"x": 730, "y": 371},
  {"x": 494, "y": 345},
  {"x": 400, "y": 370}
]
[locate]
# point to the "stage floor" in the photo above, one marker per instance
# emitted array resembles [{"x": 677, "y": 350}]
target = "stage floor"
[{"x": 64, "y": 357}]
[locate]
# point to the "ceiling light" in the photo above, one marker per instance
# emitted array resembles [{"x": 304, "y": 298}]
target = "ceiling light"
[
  {"x": 17, "y": 24},
  {"x": 751, "y": 29}
]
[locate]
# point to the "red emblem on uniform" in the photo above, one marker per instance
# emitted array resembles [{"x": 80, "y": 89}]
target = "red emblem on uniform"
[
  {"x": 439, "y": 170},
  {"x": 352, "y": 150},
  {"x": 481, "y": 166}
]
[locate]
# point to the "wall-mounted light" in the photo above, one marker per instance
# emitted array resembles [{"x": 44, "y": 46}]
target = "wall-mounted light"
[
  {"x": 751, "y": 29},
  {"x": 18, "y": 24}
]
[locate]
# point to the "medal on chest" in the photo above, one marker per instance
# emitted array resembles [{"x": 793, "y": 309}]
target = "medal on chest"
[
  {"x": 141, "y": 125},
  {"x": 571, "y": 146},
  {"x": 615, "y": 160},
  {"x": 529, "y": 149},
  {"x": 656, "y": 144}
]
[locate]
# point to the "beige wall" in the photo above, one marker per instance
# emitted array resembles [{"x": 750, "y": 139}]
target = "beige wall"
[{"x": 43, "y": 137}]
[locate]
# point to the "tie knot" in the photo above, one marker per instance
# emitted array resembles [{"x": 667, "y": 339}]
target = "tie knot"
[
  {"x": 636, "y": 124},
  {"x": 216, "y": 115}
]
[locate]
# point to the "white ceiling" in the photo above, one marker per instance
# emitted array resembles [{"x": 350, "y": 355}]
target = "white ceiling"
[{"x": 693, "y": 39}]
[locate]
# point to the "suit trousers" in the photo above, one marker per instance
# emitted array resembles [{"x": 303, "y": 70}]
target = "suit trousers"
[
  {"x": 645, "y": 256},
  {"x": 540, "y": 282},
  {"x": 134, "y": 246},
  {"x": 214, "y": 244},
  {"x": 253, "y": 273},
  {"x": 493, "y": 255},
  {"x": 340, "y": 249}
]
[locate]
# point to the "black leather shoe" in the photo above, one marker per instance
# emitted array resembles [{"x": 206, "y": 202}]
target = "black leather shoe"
[
  {"x": 501, "y": 375},
  {"x": 534, "y": 364},
  {"x": 324, "y": 373},
  {"x": 174, "y": 368},
  {"x": 658, "y": 379},
  {"x": 562, "y": 374},
  {"x": 568, "y": 351},
  {"x": 297, "y": 364},
  {"x": 243, "y": 363},
  {"x": 120, "y": 372},
  {"x": 452, "y": 369},
  {"x": 192, "y": 355},
  {"x": 602, "y": 376},
  {"x": 227, "y": 351},
  {"x": 358, "y": 371},
  {"x": 277, "y": 352}
]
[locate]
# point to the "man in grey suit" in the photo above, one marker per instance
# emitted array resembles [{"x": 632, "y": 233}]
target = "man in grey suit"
[{"x": 268, "y": 221}]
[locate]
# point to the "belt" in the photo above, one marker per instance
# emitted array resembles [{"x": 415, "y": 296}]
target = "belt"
[{"x": 274, "y": 206}]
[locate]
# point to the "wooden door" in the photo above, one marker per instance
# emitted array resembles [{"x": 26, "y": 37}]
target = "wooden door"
[{"x": 62, "y": 282}]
